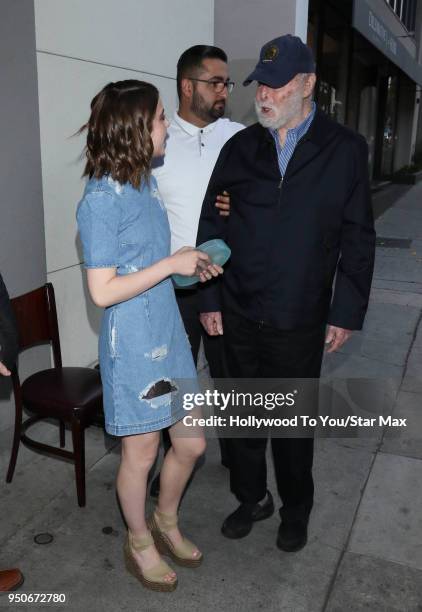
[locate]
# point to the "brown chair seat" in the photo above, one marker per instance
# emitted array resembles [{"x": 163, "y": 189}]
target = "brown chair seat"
[{"x": 56, "y": 390}]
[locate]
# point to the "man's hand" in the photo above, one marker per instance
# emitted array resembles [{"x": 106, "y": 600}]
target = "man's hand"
[
  {"x": 3, "y": 370},
  {"x": 223, "y": 203},
  {"x": 212, "y": 322},
  {"x": 336, "y": 337}
]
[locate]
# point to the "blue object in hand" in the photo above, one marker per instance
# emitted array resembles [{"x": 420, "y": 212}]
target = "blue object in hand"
[{"x": 218, "y": 252}]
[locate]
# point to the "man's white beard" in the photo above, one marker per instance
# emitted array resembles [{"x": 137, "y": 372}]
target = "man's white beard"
[{"x": 292, "y": 107}]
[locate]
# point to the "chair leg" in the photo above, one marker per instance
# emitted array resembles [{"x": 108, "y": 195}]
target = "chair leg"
[
  {"x": 62, "y": 435},
  {"x": 16, "y": 442},
  {"x": 78, "y": 437}
]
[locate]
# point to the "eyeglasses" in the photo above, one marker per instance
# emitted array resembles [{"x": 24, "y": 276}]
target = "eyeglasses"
[{"x": 218, "y": 86}]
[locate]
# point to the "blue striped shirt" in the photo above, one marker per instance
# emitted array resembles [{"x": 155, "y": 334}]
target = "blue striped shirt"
[{"x": 284, "y": 154}]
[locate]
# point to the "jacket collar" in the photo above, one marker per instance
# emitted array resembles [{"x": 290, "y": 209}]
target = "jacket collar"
[{"x": 321, "y": 130}]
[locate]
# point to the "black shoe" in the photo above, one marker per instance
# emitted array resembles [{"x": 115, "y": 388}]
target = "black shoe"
[
  {"x": 292, "y": 534},
  {"x": 240, "y": 522},
  {"x": 154, "y": 489}
]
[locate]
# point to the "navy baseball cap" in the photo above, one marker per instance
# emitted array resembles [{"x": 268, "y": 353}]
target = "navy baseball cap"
[{"x": 280, "y": 60}]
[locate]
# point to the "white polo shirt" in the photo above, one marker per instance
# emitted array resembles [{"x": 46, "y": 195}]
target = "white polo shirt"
[{"x": 184, "y": 173}]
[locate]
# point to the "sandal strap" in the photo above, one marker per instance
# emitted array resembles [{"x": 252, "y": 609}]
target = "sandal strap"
[
  {"x": 140, "y": 543},
  {"x": 158, "y": 572},
  {"x": 165, "y": 521}
]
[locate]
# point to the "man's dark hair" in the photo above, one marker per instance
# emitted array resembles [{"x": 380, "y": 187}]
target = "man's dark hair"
[{"x": 190, "y": 62}]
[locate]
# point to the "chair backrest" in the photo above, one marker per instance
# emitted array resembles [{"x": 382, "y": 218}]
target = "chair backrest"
[{"x": 36, "y": 318}]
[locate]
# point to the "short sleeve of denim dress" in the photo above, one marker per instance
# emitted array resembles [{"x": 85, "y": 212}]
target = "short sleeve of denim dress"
[{"x": 145, "y": 357}]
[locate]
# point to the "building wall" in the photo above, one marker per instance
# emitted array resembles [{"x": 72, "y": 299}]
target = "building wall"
[
  {"x": 22, "y": 253},
  {"x": 22, "y": 250},
  {"x": 391, "y": 20},
  {"x": 81, "y": 46},
  {"x": 408, "y": 109},
  {"x": 418, "y": 138},
  {"x": 241, "y": 28}
]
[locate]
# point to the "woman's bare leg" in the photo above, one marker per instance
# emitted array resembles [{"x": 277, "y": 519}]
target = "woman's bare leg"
[
  {"x": 138, "y": 455},
  {"x": 188, "y": 444}
]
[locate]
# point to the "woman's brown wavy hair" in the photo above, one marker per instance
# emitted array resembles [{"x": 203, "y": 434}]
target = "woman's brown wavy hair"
[{"x": 119, "y": 130}]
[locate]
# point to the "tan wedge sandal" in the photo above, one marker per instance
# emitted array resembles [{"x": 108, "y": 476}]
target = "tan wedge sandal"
[
  {"x": 152, "y": 578},
  {"x": 160, "y": 524}
]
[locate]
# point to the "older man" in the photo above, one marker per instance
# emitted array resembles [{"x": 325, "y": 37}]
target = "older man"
[{"x": 300, "y": 214}]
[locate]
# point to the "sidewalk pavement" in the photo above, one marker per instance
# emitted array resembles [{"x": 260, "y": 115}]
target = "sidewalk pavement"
[{"x": 365, "y": 536}]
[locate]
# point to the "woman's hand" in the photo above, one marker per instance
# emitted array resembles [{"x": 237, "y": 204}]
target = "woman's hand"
[
  {"x": 192, "y": 262},
  {"x": 107, "y": 288}
]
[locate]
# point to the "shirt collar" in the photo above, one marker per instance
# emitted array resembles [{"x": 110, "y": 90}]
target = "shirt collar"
[
  {"x": 300, "y": 130},
  {"x": 191, "y": 129}
]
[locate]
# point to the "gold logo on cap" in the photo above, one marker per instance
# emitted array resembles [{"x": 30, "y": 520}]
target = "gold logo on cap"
[{"x": 270, "y": 53}]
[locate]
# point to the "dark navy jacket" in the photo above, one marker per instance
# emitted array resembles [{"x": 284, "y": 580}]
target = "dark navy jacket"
[{"x": 291, "y": 235}]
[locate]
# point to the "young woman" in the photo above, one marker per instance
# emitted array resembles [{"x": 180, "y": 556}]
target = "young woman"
[{"x": 145, "y": 357}]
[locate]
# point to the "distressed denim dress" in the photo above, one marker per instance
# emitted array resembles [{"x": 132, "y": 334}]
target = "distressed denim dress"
[{"x": 145, "y": 357}]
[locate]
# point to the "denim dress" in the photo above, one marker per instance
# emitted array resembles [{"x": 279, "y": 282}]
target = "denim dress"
[{"x": 145, "y": 357}]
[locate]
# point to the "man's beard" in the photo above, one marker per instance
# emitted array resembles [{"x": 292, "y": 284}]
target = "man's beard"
[
  {"x": 205, "y": 112},
  {"x": 291, "y": 108}
]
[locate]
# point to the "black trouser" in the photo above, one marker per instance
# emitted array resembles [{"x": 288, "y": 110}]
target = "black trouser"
[
  {"x": 188, "y": 303},
  {"x": 255, "y": 351}
]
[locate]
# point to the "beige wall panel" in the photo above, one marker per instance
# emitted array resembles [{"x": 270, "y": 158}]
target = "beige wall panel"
[
  {"x": 66, "y": 88},
  {"x": 139, "y": 34},
  {"x": 79, "y": 318}
]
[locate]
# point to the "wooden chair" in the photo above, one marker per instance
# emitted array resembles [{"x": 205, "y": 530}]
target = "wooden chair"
[{"x": 72, "y": 395}]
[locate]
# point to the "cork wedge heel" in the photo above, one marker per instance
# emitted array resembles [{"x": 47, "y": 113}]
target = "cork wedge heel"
[{"x": 160, "y": 524}]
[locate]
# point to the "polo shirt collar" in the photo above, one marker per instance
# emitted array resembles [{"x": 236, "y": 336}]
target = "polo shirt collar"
[{"x": 191, "y": 129}]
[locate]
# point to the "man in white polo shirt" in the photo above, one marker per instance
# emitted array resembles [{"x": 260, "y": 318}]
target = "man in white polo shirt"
[{"x": 196, "y": 135}]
